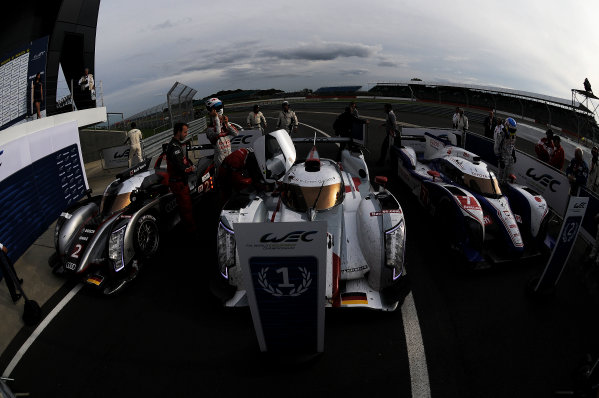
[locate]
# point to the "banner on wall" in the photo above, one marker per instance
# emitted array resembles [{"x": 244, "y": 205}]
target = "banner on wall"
[
  {"x": 17, "y": 72},
  {"x": 41, "y": 174}
]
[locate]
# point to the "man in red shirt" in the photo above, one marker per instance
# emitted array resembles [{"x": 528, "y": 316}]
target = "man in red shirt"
[
  {"x": 557, "y": 157},
  {"x": 545, "y": 147}
]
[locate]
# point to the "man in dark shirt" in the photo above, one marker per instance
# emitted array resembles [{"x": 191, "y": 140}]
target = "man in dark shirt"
[
  {"x": 490, "y": 123},
  {"x": 577, "y": 172},
  {"x": 179, "y": 167}
]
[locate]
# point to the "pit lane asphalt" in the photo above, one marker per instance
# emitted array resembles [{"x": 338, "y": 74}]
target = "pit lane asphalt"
[{"x": 166, "y": 335}]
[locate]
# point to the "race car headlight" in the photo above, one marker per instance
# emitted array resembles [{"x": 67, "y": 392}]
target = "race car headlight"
[
  {"x": 395, "y": 243},
  {"x": 115, "y": 248},
  {"x": 226, "y": 249}
]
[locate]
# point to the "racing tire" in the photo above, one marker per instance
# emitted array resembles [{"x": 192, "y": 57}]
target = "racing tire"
[{"x": 146, "y": 236}]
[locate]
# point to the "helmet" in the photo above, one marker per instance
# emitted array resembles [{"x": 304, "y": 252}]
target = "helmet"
[
  {"x": 511, "y": 126},
  {"x": 285, "y": 103},
  {"x": 216, "y": 104}
]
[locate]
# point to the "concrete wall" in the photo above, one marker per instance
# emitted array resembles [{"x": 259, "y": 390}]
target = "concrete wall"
[{"x": 93, "y": 141}]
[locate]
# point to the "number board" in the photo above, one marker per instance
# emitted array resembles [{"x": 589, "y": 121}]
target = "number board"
[{"x": 283, "y": 266}]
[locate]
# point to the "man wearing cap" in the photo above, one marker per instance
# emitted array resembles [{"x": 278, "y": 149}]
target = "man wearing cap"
[
  {"x": 256, "y": 119},
  {"x": 287, "y": 119}
]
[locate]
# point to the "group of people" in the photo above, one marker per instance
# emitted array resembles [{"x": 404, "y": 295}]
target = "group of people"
[
  {"x": 550, "y": 151},
  {"x": 286, "y": 119}
]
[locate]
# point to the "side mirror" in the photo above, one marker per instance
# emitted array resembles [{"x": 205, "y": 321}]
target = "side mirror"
[{"x": 433, "y": 173}]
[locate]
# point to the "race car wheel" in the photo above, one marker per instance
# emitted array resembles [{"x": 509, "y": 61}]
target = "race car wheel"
[
  {"x": 444, "y": 222},
  {"x": 146, "y": 236}
]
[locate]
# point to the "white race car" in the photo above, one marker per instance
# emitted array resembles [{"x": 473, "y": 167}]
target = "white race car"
[{"x": 365, "y": 227}]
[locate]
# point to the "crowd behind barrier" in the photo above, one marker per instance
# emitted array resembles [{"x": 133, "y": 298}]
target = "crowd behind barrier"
[{"x": 540, "y": 109}]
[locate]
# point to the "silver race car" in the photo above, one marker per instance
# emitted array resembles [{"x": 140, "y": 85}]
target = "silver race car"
[
  {"x": 105, "y": 239},
  {"x": 366, "y": 230}
]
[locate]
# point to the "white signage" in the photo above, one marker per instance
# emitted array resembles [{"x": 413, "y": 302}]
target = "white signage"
[{"x": 117, "y": 156}]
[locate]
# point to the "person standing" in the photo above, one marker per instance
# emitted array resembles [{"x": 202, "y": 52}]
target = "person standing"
[
  {"x": 577, "y": 172},
  {"x": 87, "y": 85},
  {"x": 545, "y": 147},
  {"x": 219, "y": 131},
  {"x": 460, "y": 121},
  {"x": 256, "y": 119},
  {"x": 557, "y": 158},
  {"x": 505, "y": 148},
  {"x": 287, "y": 119},
  {"x": 390, "y": 130},
  {"x": 134, "y": 137},
  {"x": 593, "y": 180},
  {"x": 179, "y": 167},
  {"x": 38, "y": 94},
  {"x": 490, "y": 123},
  {"x": 454, "y": 118}
]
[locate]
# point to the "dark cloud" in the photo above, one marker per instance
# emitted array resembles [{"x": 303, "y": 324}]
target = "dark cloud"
[
  {"x": 354, "y": 72},
  {"x": 321, "y": 52},
  {"x": 168, "y": 24},
  {"x": 387, "y": 64}
]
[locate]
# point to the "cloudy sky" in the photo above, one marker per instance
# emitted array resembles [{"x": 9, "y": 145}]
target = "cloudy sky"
[{"x": 144, "y": 46}]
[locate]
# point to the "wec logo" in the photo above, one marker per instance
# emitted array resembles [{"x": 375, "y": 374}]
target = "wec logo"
[
  {"x": 546, "y": 179},
  {"x": 242, "y": 139},
  {"x": 291, "y": 237},
  {"x": 118, "y": 155}
]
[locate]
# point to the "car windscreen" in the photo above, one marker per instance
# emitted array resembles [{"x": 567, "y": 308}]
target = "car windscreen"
[
  {"x": 112, "y": 202},
  {"x": 484, "y": 186},
  {"x": 300, "y": 198}
]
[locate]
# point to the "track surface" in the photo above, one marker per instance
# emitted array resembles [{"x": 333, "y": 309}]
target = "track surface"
[{"x": 166, "y": 335}]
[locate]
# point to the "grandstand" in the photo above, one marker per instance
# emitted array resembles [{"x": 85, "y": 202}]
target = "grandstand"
[
  {"x": 572, "y": 117},
  {"x": 337, "y": 90}
]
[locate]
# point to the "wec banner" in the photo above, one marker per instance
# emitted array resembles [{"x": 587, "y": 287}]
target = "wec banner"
[
  {"x": 41, "y": 174},
  {"x": 17, "y": 72},
  {"x": 283, "y": 266},
  {"x": 117, "y": 156}
]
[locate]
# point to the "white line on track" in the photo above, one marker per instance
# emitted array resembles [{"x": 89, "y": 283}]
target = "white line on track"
[
  {"x": 40, "y": 328},
  {"x": 416, "y": 355}
]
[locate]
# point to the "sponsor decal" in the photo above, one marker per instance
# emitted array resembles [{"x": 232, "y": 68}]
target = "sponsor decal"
[
  {"x": 545, "y": 179},
  {"x": 89, "y": 231},
  {"x": 487, "y": 220},
  {"x": 581, "y": 205},
  {"x": 538, "y": 199},
  {"x": 362, "y": 268},
  {"x": 518, "y": 219},
  {"x": 291, "y": 237},
  {"x": 468, "y": 203},
  {"x": 380, "y": 213},
  {"x": 84, "y": 238},
  {"x": 286, "y": 288},
  {"x": 205, "y": 177},
  {"x": 95, "y": 280},
  {"x": 71, "y": 266},
  {"x": 354, "y": 298}
]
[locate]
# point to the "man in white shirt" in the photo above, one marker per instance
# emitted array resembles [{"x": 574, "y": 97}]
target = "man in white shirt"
[
  {"x": 287, "y": 119},
  {"x": 134, "y": 137},
  {"x": 256, "y": 119}
]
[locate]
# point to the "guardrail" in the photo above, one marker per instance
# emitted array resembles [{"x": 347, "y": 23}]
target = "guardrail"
[{"x": 152, "y": 146}]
